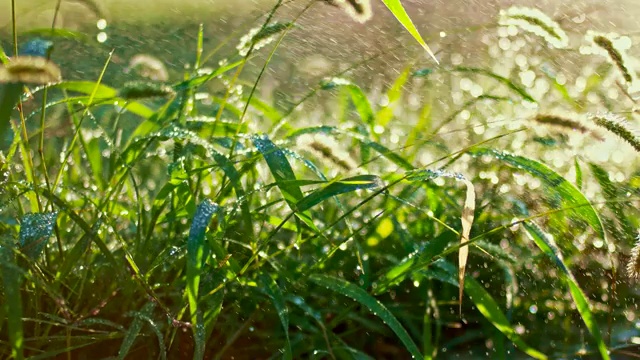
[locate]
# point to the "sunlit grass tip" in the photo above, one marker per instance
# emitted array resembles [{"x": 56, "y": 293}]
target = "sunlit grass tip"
[
  {"x": 327, "y": 148},
  {"x": 358, "y": 10},
  {"x": 618, "y": 126},
  {"x": 536, "y": 22},
  {"x": 633, "y": 267},
  {"x": 613, "y": 47}
]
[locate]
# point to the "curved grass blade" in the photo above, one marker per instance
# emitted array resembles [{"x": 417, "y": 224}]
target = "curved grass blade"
[
  {"x": 611, "y": 192},
  {"x": 487, "y": 306},
  {"x": 358, "y": 97},
  {"x": 385, "y": 114},
  {"x": 401, "y": 15},
  {"x": 134, "y": 330},
  {"x": 283, "y": 174},
  {"x": 11, "y": 283},
  {"x": 569, "y": 194},
  {"x": 337, "y": 188},
  {"x": 269, "y": 286},
  {"x": 352, "y": 291},
  {"x": 35, "y": 230},
  {"x": 523, "y": 93},
  {"x": 548, "y": 246}
]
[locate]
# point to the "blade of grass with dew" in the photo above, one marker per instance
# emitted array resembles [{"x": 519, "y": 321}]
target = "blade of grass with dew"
[
  {"x": 11, "y": 283},
  {"x": 359, "y": 99},
  {"x": 283, "y": 174},
  {"x": 273, "y": 291},
  {"x": 485, "y": 303},
  {"x": 519, "y": 90},
  {"x": 338, "y": 187},
  {"x": 156, "y": 330},
  {"x": 611, "y": 194},
  {"x": 35, "y": 230},
  {"x": 548, "y": 246},
  {"x": 569, "y": 194},
  {"x": 196, "y": 254},
  {"x": 384, "y": 115},
  {"x": 352, "y": 291},
  {"x": 467, "y": 220},
  {"x": 400, "y": 14},
  {"x": 134, "y": 329}
]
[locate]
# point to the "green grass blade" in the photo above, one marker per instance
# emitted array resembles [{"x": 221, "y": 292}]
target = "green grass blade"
[
  {"x": 569, "y": 194},
  {"x": 413, "y": 263},
  {"x": 393, "y": 95},
  {"x": 280, "y": 169},
  {"x": 134, "y": 330},
  {"x": 519, "y": 90},
  {"x": 269, "y": 286},
  {"x": 352, "y": 291},
  {"x": 337, "y": 188},
  {"x": 548, "y": 246},
  {"x": 487, "y": 306},
  {"x": 611, "y": 193},
  {"x": 196, "y": 253},
  {"x": 11, "y": 283},
  {"x": 400, "y": 14}
]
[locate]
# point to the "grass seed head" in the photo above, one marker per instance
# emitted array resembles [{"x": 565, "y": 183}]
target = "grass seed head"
[
  {"x": 633, "y": 267},
  {"x": 143, "y": 90},
  {"x": 536, "y": 22},
  {"x": 30, "y": 70},
  {"x": 358, "y": 10},
  {"x": 618, "y": 126}
]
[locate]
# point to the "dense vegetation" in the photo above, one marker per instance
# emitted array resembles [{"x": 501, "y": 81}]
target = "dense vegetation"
[{"x": 462, "y": 212}]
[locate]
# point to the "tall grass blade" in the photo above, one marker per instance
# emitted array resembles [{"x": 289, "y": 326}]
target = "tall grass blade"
[
  {"x": 548, "y": 246},
  {"x": 352, "y": 291},
  {"x": 401, "y": 15},
  {"x": 487, "y": 306},
  {"x": 510, "y": 84},
  {"x": 134, "y": 329},
  {"x": 569, "y": 194},
  {"x": 338, "y": 187},
  {"x": 271, "y": 288}
]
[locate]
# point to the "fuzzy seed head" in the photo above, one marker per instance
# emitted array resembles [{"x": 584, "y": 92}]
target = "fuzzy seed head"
[
  {"x": 633, "y": 267},
  {"x": 358, "y": 10},
  {"x": 536, "y": 22},
  {"x": 30, "y": 70}
]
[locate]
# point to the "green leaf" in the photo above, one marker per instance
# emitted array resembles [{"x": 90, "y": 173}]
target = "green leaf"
[
  {"x": 570, "y": 196},
  {"x": 269, "y": 286},
  {"x": 398, "y": 11},
  {"x": 196, "y": 253},
  {"x": 338, "y": 187},
  {"x": 548, "y": 246},
  {"x": 352, "y": 291}
]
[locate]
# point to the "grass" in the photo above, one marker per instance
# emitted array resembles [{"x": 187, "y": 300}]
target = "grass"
[{"x": 465, "y": 211}]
